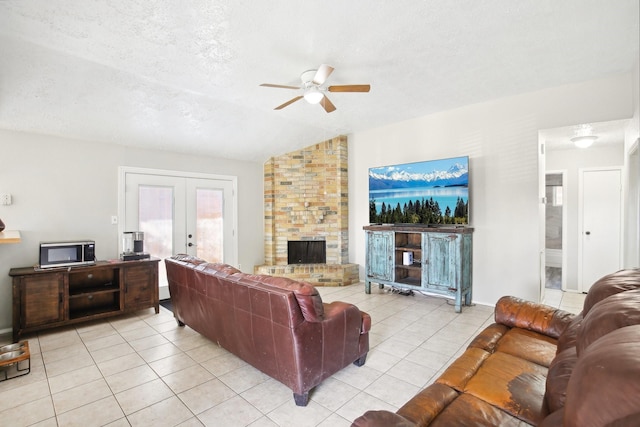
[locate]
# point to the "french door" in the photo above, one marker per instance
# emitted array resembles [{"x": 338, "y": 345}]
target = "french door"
[{"x": 180, "y": 213}]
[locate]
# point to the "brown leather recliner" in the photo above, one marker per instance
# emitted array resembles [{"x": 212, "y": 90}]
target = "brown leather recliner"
[
  {"x": 541, "y": 366},
  {"x": 278, "y": 325}
]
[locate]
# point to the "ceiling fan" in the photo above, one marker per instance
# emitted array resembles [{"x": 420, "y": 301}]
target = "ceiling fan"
[{"x": 313, "y": 91}]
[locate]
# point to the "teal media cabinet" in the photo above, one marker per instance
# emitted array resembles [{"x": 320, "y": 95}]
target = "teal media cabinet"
[{"x": 430, "y": 259}]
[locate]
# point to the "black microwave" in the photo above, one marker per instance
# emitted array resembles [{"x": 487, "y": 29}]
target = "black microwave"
[{"x": 67, "y": 254}]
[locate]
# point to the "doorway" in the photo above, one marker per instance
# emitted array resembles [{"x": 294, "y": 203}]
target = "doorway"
[
  {"x": 558, "y": 153},
  {"x": 193, "y": 214},
  {"x": 555, "y": 229}
]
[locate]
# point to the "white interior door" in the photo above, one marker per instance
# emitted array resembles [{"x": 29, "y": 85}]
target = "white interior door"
[
  {"x": 601, "y": 224},
  {"x": 181, "y": 214}
]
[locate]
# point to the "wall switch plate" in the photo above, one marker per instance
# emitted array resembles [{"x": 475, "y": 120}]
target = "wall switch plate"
[
  {"x": 5, "y": 199},
  {"x": 114, "y": 219}
]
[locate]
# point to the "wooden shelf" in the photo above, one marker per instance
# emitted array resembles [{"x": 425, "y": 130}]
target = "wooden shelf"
[
  {"x": 58, "y": 297},
  {"x": 411, "y": 281},
  {"x": 9, "y": 236},
  {"x": 414, "y": 266},
  {"x": 94, "y": 290}
]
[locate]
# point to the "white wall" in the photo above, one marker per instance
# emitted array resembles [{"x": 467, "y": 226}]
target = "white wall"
[
  {"x": 65, "y": 189},
  {"x": 632, "y": 177},
  {"x": 501, "y": 138},
  {"x": 571, "y": 161}
]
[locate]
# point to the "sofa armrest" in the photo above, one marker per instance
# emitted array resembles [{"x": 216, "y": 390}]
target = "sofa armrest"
[
  {"x": 519, "y": 313},
  {"x": 381, "y": 419},
  {"x": 337, "y": 309}
]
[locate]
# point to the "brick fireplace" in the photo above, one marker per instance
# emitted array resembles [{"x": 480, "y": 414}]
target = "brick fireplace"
[{"x": 305, "y": 196}]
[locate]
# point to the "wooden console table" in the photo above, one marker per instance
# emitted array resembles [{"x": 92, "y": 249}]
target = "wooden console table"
[
  {"x": 434, "y": 260},
  {"x": 55, "y": 297}
]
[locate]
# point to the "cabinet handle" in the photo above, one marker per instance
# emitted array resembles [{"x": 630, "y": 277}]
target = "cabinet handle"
[{"x": 60, "y": 297}]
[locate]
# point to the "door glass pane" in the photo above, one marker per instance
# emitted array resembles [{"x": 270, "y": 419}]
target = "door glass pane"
[
  {"x": 155, "y": 213},
  {"x": 209, "y": 224}
]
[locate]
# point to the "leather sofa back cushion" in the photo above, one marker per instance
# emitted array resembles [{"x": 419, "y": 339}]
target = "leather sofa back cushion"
[
  {"x": 306, "y": 294},
  {"x": 604, "y": 388},
  {"x": 558, "y": 378},
  {"x": 222, "y": 270},
  {"x": 569, "y": 337},
  {"x": 518, "y": 313},
  {"x": 611, "y": 313},
  {"x": 188, "y": 260},
  {"x": 611, "y": 284}
]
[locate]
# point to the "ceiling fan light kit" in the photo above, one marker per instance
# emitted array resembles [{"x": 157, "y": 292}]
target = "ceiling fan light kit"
[
  {"x": 312, "y": 90},
  {"x": 313, "y": 95}
]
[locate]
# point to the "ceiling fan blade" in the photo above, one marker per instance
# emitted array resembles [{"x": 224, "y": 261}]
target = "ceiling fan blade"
[
  {"x": 280, "y": 86},
  {"x": 349, "y": 88},
  {"x": 322, "y": 74},
  {"x": 327, "y": 105},
  {"x": 291, "y": 101}
]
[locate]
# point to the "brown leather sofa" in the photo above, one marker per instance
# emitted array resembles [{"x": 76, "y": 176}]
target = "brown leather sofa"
[
  {"x": 277, "y": 325},
  {"x": 540, "y": 366}
]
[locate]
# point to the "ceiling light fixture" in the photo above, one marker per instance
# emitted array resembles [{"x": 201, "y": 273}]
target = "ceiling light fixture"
[
  {"x": 312, "y": 95},
  {"x": 584, "y": 141}
]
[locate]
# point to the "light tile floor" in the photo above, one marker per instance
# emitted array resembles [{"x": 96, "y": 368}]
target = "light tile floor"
[{"x": 143, "y": 370}]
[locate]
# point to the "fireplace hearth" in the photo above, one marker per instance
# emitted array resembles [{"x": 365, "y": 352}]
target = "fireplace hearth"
[{"x": 306, "y": 252}]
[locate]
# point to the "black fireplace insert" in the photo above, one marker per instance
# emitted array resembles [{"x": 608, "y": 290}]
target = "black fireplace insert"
[{"x": 306, "y": 252}]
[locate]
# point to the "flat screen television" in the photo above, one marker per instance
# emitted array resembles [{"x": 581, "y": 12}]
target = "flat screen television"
[{"x": 434, "y": 192}]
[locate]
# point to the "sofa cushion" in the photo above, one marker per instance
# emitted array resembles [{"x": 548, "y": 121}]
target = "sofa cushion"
[
  {"x": 558, "y": 378},
  {"x": 382, "y": 418},
  {"x": 306, "y": 294},
  {"x": 512, "y": 384},
  {"x": 469, "y": 411},
  {"x": 518, "y": 313},
  {"x": 613, "y": 312},
  {"x": 188, "y": 260},
  {"x": 554, "y": 419},
  {"x": 489, "y": 337},
  {"x": 428, "y": 404},
  {"x": 218, "y": 269},
  {"x": 604, "y": 388},
  {"x": 569, "y": 336},
  {"x": 458, "y": 374},
  {"x": 528, "y": 345},
  {"x": 611, "y": 284}
]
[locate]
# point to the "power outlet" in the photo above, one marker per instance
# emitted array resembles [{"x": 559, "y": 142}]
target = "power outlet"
[
  {"x": 114, "y": 219},
  {"x": 5, "y": 199}
]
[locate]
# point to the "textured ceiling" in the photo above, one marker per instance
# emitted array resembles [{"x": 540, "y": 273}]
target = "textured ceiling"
[{"x": 184, "y": 75}]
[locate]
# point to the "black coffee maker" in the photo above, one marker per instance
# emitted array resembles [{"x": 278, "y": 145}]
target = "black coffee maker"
[{"x": 133, "y": 246}]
